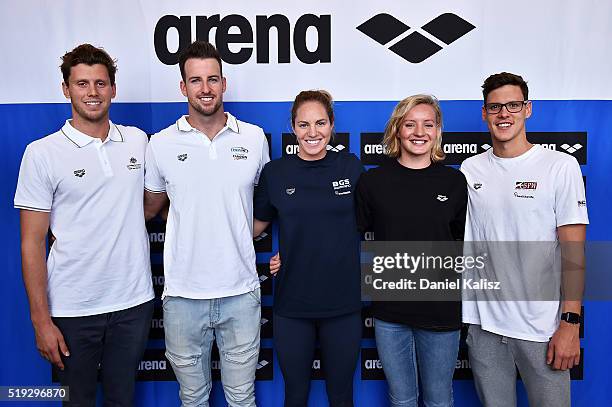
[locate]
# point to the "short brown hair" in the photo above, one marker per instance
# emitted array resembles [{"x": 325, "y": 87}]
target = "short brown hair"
[
  {"x": 321, "y": 96},
  {"x": 199, "y": 50},
  {"x": 391, "y": 140},
  {"x": 502, "y": 79},
  {"x": 89, "y": 55}
]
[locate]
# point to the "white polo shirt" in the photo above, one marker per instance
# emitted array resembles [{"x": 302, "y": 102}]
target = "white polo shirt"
[
  {"x": 208, "y": 249},
  {"x": 521, "y": 199},
  {"x": 93, "y": 192}
]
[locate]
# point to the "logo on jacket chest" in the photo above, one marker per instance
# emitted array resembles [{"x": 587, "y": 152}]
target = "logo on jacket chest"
[{"x": 342, "y": 186}]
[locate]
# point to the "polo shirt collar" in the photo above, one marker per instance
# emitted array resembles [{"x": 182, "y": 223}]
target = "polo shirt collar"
[
  {"x": 231, "y": 123},
  {"x": 81, "y": 139}
]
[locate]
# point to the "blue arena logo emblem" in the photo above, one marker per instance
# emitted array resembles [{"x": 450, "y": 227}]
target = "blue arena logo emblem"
[{"x": 415, "y": 47}]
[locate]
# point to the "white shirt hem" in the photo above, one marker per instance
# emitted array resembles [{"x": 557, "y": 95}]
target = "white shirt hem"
[{"x": 102, "y": 310}]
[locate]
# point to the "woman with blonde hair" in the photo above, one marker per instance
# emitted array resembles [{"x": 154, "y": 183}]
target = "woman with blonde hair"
[{"x": 413, "y": 197}]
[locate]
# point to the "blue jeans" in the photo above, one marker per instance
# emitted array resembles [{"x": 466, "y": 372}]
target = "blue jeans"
[
  {"x": 191, "y": 326},
  {"x": 400, "y": 347}
]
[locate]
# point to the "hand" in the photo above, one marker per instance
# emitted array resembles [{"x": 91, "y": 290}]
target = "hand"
[
  {"x": 564, "y": 347},
  {"x": 275, "y": 264},
  {"x": 50, "y": 342}
]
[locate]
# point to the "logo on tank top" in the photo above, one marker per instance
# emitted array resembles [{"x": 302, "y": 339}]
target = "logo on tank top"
[
  {"x": 290, "y": 191},
  {"x": 182, "y": 157},
  {"x": 79, "y": 173},
  {"x": 442, "y": 198},
  {"x": 342, "y": 186},
  {"x": 477, "y": 185}
]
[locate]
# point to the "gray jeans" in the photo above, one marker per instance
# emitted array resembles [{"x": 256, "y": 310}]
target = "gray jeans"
[{"x": 495, "y": 359}]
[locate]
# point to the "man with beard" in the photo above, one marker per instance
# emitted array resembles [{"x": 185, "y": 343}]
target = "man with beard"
[
  {"x": 207, "y": 164},
  {"x": 91, "y": 302}
]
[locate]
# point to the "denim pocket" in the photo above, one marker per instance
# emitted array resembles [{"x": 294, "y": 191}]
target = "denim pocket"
[
  {"x": 182, "y": 361},
  {"x": 243, "y": 357},
  {"x": 256, "y": 295}
]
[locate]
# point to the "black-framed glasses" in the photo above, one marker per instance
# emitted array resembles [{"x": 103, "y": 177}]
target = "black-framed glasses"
[{"x": 512, "y": 107}]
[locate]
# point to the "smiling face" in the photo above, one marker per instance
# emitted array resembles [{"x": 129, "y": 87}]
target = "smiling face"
[
  {"x": 418, "y": 133},
  {"x": 90, "y": 92},
  {"x": 313, "y": 130},
  {"x": 204, "y": 86},
  {"x": 506, "y": 127}
]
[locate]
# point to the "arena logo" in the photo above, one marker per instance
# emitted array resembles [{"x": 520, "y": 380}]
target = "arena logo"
[
  {"x": 460, "y": 148},
  {"x": 368, "y": 324},
  {"x": 157, "y": 237},
  {"x": 339, "y": 142},
  {"x": 461, "y": 145},
  {"x": 317, "y": 371},
  {"x": 421, "y": 43},
  {"x": 374, "y": 149},
  {"x": 236, "y": 38},
  {"x": 157, "y": 323},
  {"x": 266, "y": 322},
  {"x": 371, "y": 366},
  {"x": 263, "y": 242},
  {"x": 153, "y": 365},
  {"x": 571, "y": 149}
]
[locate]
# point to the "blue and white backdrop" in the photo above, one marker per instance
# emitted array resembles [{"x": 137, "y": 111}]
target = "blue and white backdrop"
[{"x": 368, "y": 55}]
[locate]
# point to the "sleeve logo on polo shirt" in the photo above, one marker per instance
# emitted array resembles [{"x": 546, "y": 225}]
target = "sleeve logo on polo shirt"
[
  {"x": 79, "y": 173},
  {"x": 134, "y": 165},
  {"x": 182, "y": 157},
  {"x": 342, "y": 186},
  {"x": 239, "y": 153}
]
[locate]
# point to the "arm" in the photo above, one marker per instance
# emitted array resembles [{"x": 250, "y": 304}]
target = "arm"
[
  {"x": 259, "y": 226},
  {"x": 564, "y": 347},
  {"x": 153, "y": 203},
  {"x": 49, "y": 339}
]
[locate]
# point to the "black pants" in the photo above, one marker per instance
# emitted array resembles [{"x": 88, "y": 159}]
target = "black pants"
[
  {"x": 339, "y": 338},
  {"x": 115, "y": 341}
]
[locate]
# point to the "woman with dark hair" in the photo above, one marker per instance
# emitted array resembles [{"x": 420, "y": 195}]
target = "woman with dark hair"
[
  {"x": 413, "y": 197},
  {"x": 317, "y": 293}
]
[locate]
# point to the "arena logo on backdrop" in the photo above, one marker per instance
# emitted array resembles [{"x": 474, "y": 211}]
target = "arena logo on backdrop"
[
  {"x": 422, "y": 42},
  {"x": 236, "y": 38},
  {"x": 340, "y": 142},
  {"x": 461, "y": 145}
]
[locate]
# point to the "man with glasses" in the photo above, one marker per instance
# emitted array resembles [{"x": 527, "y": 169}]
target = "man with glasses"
[{"x": 520, "y": 192}]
